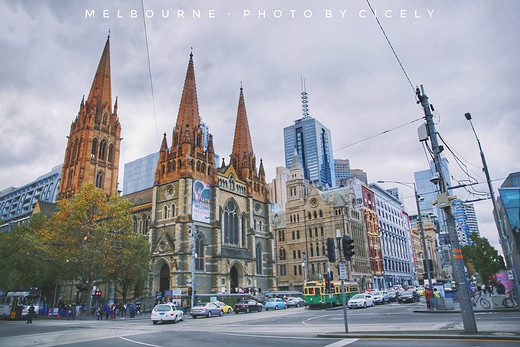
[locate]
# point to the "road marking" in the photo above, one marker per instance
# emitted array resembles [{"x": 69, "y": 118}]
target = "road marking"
[
  {"x": 270, "y": 336},
  {"x": 342, "y": 343},
  {"x": 139, "y": 343}
]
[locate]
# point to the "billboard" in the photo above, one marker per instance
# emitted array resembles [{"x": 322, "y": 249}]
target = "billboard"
[{"x": 200, "y": 208}]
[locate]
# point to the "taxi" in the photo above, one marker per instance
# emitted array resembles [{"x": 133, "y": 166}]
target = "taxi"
[{"x": 225, "y": 307}]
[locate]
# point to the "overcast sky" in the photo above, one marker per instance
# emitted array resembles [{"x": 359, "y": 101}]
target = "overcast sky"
[{"x": 465, "y": 53}]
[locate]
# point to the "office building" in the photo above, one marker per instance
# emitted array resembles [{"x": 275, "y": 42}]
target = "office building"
[{"x": 342, "y": 170}]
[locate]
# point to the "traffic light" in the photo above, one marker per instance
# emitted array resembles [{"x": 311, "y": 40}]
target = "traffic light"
[
  {"x": 327, "y": 282},
  {"x": 189, "y": 291},
  {"x": 348, "y": 247},
  {"x": 97, "y": 294},
  {"x": 331, "y": 250}
]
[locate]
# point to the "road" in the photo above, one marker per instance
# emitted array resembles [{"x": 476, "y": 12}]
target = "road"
[{"x": 290, "y": 327}]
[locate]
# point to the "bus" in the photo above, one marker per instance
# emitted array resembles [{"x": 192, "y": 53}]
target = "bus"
[
  {"x": 15, "y": 304},
  {"x": 316, "y": 295}
]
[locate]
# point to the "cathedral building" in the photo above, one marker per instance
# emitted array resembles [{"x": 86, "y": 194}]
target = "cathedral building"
[
  {"x": 223, "y": 214},
  {"x": 92, "y": 154}
]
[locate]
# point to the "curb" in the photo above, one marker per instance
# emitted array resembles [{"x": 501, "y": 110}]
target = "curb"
[
  {"x": 476, "y": 311},
  {"x": 426, "y": 335}
]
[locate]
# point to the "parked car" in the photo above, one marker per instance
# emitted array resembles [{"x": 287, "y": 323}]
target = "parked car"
[
  {"x": 392, "y": 295},
  {"x": 275, "y": 304},
  {"x": 295, "y": 301},
  {"x": 409, "y": 296},
  {"x": 361, "y": 300},
  {"x": 225, "y": 307},
  {"x": 247, "y": 306},
  {"x": 208, "y": 310},
  {"x": 380, "y": 297},
  {"x": 166, "y": 312}
]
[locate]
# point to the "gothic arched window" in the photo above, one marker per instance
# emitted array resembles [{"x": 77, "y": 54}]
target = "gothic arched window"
[
  {"x": 173, "y": 210},
  {"x": 105, "y": 118},
  {"x": 259, "y": 259},
  {"x": 102, "y": 149},
  {"x": 199, "y": 249},
  {"x": 99, "y": 179},
  {"x": 244, "y": 238},
  {"x": 231, "y": 223},
  {"x": 94, "y": 148},
  {"x": 165, "y": 212},
  {"x": 110, "y": 152}
]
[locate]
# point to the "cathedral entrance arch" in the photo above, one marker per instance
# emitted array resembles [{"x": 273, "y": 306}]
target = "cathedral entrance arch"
[
  {"x": 233, "y": 279},
  {"x": 164, "y": 278}
]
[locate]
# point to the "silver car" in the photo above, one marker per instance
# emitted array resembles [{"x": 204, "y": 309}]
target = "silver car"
[{"x": 208, "y": 310}]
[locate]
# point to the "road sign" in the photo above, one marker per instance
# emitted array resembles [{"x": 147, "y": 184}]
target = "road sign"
[
  {"x": 342, "y": 270},
  {"x": 510, "y": 274}
]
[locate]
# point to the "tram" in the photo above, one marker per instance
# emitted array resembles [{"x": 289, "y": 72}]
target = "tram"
[
  {"x": 15, "y": 304},
  {"x": 317, "y": 295}
]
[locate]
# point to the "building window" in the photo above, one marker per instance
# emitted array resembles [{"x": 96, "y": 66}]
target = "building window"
[
  {"x": 102, "y": 149},
  {"x": 105, "y": 119},
  {"x": 173, "y": 210},
  {"x": 94, "y": 148},
  {"x": 298, "y": 234},
  {"x": 199, "y": 249},
  {"x": 165, "y": 212},
  {"x": 259, "y": 259},
  {"x": 231, "y": 224},
  {"x": 99, "y": 180},
  {"x": 111, "y": 152},
  {"x": 294, "y": 254},
  {"x": 293, "y": 235},
  {"x": 244, "y": 238}
]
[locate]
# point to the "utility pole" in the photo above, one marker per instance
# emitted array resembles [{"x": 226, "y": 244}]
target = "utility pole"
[
  {"x": 506, "y": 247},
  {"x": 426, "y": 255},
  {"x": 193, "y": 258},
  {"x": 304, "y": 269},
  {"x": 444, "y": 202},
  {"x": 342, "y": 269}
]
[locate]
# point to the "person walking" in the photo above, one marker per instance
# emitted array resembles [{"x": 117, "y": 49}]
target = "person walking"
[
  {"x": 30, "y": 314},
  {"x": 501, "y": 289},
  {"x": 98, "y": 312},
  {"x": 428, "y": 296},
  {"x": 107, "y": 312},
  {"x": 185, "y": 306}
]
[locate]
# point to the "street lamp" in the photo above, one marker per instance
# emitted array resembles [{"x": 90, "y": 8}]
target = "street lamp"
[
  {"x": 304, "y": 264},
  {"x": 417, "y": 199},
  {"x": 503, "y": 238}
]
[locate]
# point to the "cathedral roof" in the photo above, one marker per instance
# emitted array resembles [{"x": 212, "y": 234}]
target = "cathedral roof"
[
  {"x": 101, "y": 90},
  {"x": 189, "y": 107},
  {"x": 296, "y": 164}
]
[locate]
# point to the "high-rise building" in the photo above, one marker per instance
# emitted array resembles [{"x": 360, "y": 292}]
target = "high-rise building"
[
  {"x": 342, "y": 170},
  {"x": 360, "y": 175},
  {"x": 140, "y": 174},
  {"x": 313, "y": 142},
  {"x": 92, "y": 154},
  {"x": 466, "y": 221},
  {"x": 427, "y": 190},
  {"x": 277, "y": 190}
]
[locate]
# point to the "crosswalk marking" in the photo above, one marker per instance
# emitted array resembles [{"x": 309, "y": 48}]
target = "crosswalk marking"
[{"x": 342, "y": 343}]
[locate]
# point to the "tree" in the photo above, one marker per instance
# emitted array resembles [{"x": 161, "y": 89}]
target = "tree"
[
  {"x": 96, "y": 234},
  {"x": 482, "y": 257}
]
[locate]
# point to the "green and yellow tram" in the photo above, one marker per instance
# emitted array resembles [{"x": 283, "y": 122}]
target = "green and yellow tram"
[{"x": 317, "y": 295}]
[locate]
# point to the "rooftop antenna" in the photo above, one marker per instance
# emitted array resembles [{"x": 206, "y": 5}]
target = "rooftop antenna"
[{"x": 305, "y": 102}]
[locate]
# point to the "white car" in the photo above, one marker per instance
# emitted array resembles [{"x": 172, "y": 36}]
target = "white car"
[
  {"x": 380, "y": 297},
  {"x": 360, "y": 300},
  {"x": 167, "y": 312}
]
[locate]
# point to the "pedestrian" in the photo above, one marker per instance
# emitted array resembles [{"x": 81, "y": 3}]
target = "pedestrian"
[
  {"x": 113, "y": 311},
  {"x": 98, "y": 312},
  {"x": 501, "y": 289},
  {"x": 484, "y": 288},
  {"x": 185, "y": 306},
  {"x": 428, "y": 296},
  {"x": 138, "y": 308},
  {"x": 107, "y": 311},
  {"x": 30, "y": 314}
]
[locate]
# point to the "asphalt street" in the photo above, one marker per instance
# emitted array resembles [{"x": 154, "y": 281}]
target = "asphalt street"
[{"x": 290, "y": 327}]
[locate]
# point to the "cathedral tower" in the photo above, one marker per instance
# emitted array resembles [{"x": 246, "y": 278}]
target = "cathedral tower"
[{"x": 92, "y": 154}]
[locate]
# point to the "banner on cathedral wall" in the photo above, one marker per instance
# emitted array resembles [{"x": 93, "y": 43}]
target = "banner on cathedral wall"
[{"x": 200, "y": 208}]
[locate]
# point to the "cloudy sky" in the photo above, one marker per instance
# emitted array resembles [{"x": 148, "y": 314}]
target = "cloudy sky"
[{"x": 465, "y": 53}]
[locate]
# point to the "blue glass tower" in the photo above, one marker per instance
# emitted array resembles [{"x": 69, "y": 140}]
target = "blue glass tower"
[{"x": 313, "y": 142}]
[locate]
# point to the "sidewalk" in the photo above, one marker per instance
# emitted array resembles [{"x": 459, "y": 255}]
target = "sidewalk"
[{"x": 487, "y": 330}]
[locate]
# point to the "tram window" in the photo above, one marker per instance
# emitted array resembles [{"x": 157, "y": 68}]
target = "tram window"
[{"x": 317, "y": 292}]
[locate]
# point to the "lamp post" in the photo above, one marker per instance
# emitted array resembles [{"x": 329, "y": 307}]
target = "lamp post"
[
  {"x": 304, "y": 264},
  {"x": 426, "y": 256},
  {"x": 193, "y": 257},
  {"x": 503, "y": 238}
]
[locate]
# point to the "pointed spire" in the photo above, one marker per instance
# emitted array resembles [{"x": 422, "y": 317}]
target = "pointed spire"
[
  {"x": 261, "y": 171},
  {"x": 164, "y": 144},
  {"x": 101, "y": 90},
  {"x": 83, "y": 100},
  {"x": 296, "y": 164},
  {"x": 115, "y": 106},
  {"x": 189, "y": 107},
  {"x": 242, "y": 142}
]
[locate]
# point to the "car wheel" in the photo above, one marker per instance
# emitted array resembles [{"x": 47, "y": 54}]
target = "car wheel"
[
  {"x": 221, "y": 313},
  {"x": 154, "y": 322},
  {"x": 247, "y": 310},
  {"x": 229, "y": 311},
  {"x": 276, "y": 308},
  {"x": 364, "y": 305},
  {"x": 236, "y": 312},
  {"x": 209, "y": 314},
  {"x": 182, "y": 318},
  {"x": 260, "y": 309}
]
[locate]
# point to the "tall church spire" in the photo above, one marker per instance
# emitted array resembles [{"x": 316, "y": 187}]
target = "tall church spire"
[
  {"x": 189, "y": 107},
  {"x": 100, "y": 94},
  {"x": 242, "y": 145}
]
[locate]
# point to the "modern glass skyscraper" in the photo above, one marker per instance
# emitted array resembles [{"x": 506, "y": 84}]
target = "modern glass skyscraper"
[{"x": 312, "y": 141}]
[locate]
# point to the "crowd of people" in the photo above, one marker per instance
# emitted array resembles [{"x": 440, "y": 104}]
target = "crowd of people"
[{"x": 119, "y": 309}]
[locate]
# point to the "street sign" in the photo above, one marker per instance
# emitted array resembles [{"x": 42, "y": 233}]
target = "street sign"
[
  {"x": 342, "y": 270},
  {"x": 510, "y": 274}
]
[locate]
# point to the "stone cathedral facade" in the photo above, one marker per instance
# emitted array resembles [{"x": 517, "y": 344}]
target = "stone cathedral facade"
[{"x": 222, "y": 213}]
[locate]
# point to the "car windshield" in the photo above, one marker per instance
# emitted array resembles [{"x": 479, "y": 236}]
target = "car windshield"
[
  {"x": 162, "y": 308},
  {"x": 272, "y": 300},
  {"x": 407, "y": 292},
  {"x": 358, "y": 296},
  {"x": 376, "y": 293}
]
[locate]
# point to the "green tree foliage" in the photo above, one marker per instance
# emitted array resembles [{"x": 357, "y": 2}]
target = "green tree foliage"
[
  {"x": 482, "y": 257},
  {"x": 89, "y": 240}
]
